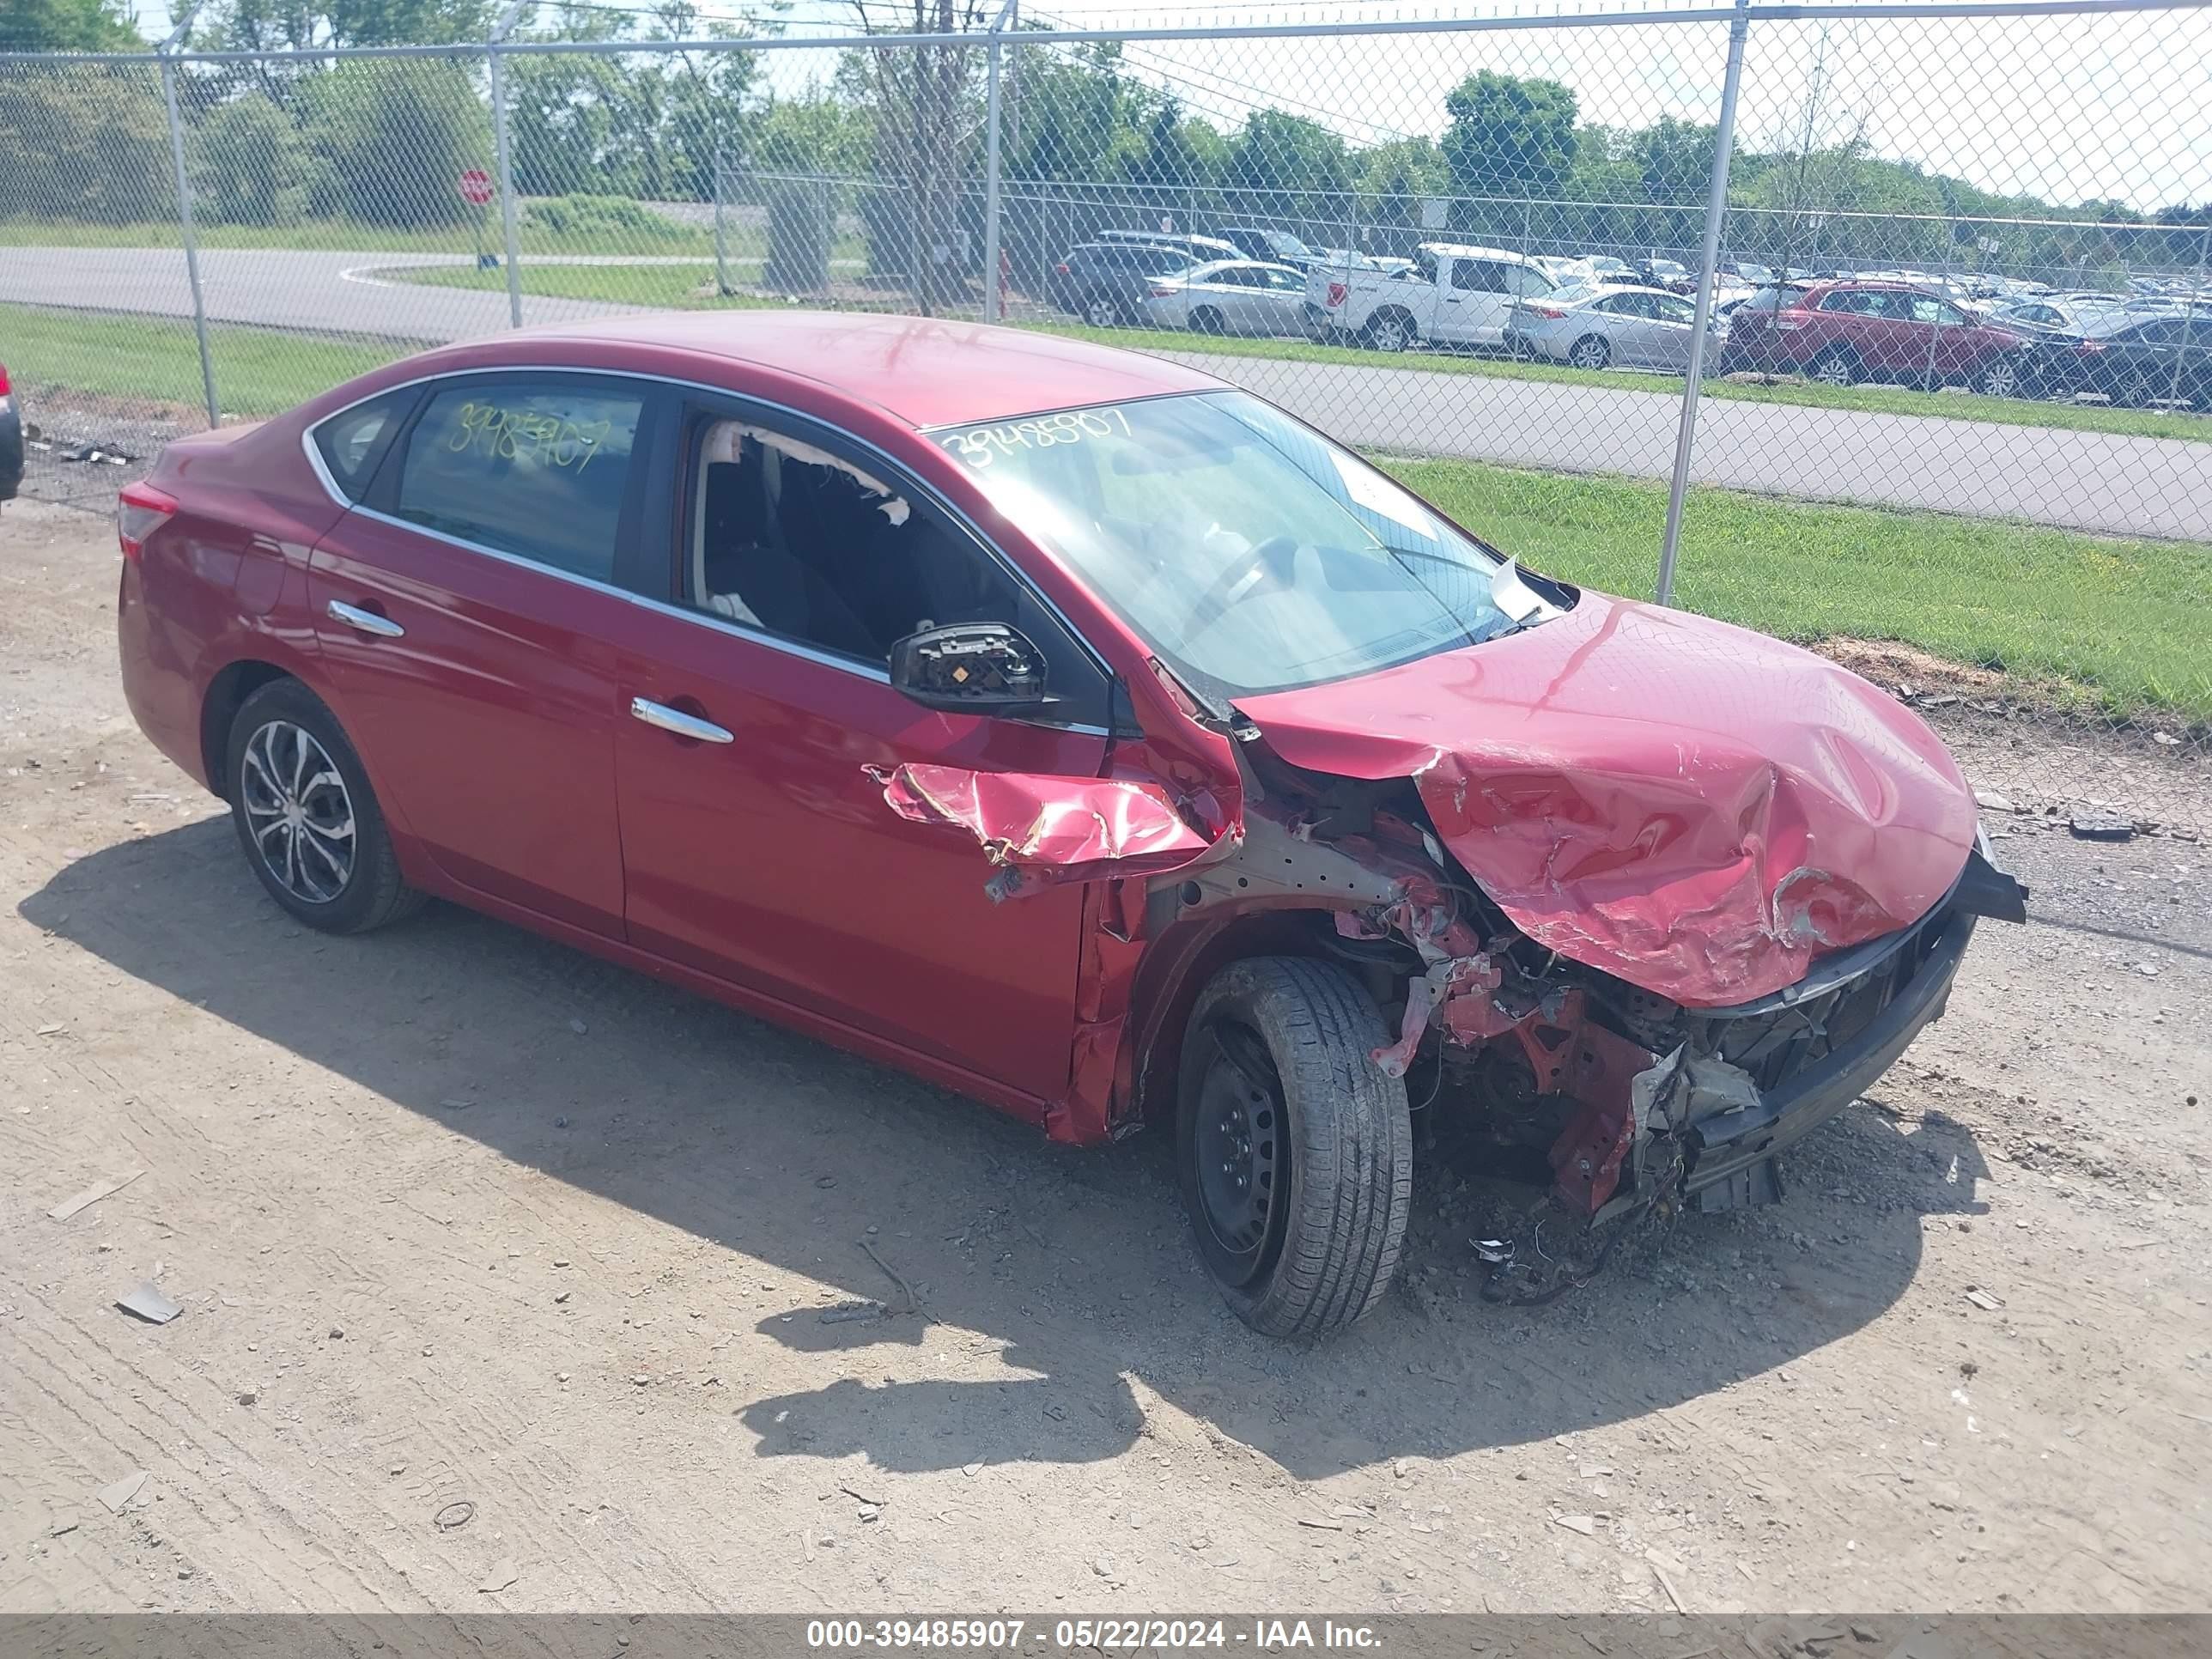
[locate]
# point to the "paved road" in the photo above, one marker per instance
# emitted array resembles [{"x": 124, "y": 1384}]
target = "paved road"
[{"x": 2084, "y": 480}]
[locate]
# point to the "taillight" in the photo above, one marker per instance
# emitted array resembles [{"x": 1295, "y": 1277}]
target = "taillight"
[
  {"x": 4, "y": 380},
  {"x": 2089, "y": 347},
  {"x": 1063, "y": 270},
  {"x": 140, "y": 511},
  {"x": 1553, "y": 312},
  {"x": 1162, "y": 291},
  {"x": 1338, "y": 293}
]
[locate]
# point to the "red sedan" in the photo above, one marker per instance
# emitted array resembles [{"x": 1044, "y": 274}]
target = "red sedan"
[{"x": 1075, "y": 731}]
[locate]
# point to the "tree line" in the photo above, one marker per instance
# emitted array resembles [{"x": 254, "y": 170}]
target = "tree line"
[{"x": 894, "y": 138}]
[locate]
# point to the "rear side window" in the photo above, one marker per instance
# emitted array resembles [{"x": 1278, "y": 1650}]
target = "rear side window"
[
  {"x": 534, "y": 468},
  {"x": 353, "y": 442}
]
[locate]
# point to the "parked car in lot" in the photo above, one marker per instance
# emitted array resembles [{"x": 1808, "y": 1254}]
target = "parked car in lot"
[
  {"x": 1275, "y": 247},
  {"x": 1607, "y": 327},
  {"x": 1075, "y": 731},
  {"x": 2067, "y": 311},
  {"x": 1452, "y": 295},
  {"x": 1107, "y": 284},
  {"x": 2140, "y": 360},
  {"x": 11, "y": 439},
  {"x": 1197, "y": 247},
  {"x": 1843, "y": 332},
  {"x": 1229, "y": 296}
]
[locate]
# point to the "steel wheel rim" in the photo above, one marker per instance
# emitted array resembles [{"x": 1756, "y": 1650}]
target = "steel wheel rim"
[
  {"x": 299, "y": 814},
  {"x": 1239, "y": 1148}
]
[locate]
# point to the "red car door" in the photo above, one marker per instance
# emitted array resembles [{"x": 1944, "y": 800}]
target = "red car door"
[
  {"x": 461, "y": 611},
  {"x": 755, "y": 845}
]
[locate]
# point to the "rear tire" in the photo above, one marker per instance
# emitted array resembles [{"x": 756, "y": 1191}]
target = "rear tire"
[
  {"x": 1103, "y": 311},
  {"x": 1835, "y": 366},
  {"x": 1295, "y": 1153},
  {"x": 1392, "y": 330},
  {"x": 1591, "y": 352},
  {"x": 307, "y": 819}
]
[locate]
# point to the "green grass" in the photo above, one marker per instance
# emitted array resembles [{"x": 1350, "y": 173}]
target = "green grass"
[
  {"x": 258, "y": 371},
  {"x": 678, "y": 288},
  {"x": 2075, "y": 619}
]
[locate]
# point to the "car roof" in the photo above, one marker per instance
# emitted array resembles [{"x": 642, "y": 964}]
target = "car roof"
[
  {"x": 1460, "y": 251},
  {"x": 922, "y": 371}
]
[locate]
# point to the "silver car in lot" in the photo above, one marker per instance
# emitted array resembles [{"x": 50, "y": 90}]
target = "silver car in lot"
[
  {"x": 1616, "y": 325},
  {"x": 1229, "y": 296}
]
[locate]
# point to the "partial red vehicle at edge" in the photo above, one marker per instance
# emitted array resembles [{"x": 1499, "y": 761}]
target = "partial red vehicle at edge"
[{"x": 1072, "y": 730}]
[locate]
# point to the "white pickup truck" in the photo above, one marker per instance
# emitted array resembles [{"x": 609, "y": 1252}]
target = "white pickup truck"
[{"x": 1452, "y": 295}]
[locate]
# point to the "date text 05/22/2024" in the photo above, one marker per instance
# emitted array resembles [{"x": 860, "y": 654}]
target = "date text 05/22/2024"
[{"x": 1002, "y": 1635}]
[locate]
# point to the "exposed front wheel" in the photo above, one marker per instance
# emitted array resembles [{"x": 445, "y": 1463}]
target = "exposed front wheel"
[
  {"x": 306, "y": 818},
  {"x": 1102, "y": 311},
  {"x": 1296, "y": 1152}
]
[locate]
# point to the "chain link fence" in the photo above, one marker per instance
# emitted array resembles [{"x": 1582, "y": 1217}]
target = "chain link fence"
[{"x": 1883, "y": 326}]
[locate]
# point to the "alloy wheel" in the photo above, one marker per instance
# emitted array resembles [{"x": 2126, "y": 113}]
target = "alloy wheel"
[
  {"x": 1590, "y": 354},
  {"x": 2000, "y": 380},
  {"x": 1388, "y": 334},
  {"x": 1834, "y": 370},
  {"x": 1102, "y": 313},
  {"x": 298, "y": 812}
]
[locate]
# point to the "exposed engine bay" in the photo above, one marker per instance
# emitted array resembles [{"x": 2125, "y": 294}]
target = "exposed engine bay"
[{"x": 1638, "y": 1104}]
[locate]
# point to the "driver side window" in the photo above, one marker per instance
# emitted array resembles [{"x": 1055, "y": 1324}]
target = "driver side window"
[{"x": 796, "y": 540}]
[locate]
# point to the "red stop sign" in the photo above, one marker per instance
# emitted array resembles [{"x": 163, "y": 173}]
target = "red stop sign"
[{"x": 475, "y": 186}]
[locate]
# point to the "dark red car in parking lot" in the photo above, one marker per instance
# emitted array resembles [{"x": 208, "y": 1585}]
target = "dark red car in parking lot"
[
  {"x": 1073, "y": 730},
  {"x": 1844, "y": 332}
]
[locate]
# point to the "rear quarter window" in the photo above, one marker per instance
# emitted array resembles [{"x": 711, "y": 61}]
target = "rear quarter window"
[{"x": 353, "y": 442}]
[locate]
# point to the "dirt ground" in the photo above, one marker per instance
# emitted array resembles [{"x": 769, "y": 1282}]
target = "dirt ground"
[{"x": 469, "y": 1227}]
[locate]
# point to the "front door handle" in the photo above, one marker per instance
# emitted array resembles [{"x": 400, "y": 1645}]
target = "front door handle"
[
  {"x": 676, "y": 720},
  {"x": 366, "y": 621}
]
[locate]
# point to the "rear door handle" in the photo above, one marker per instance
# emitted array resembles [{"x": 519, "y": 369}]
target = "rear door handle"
[
  {"x": 676, "y": 720},
  {"x": 366, "y": 621}
]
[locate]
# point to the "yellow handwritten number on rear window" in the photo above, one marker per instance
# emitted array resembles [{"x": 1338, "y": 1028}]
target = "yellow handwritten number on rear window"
[{"x": 509, "y": 434}]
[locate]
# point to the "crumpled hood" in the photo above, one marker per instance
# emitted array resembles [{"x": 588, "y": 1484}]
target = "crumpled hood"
[{"x": 1696, "y": 809}]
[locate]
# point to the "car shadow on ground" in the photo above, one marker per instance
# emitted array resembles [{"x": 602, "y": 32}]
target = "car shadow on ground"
[{"x": 1072, "y": 1268}]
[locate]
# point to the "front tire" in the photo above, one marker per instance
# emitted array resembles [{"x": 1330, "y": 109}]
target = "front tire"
[
  {"x": 307, "y": 820},
  {"x": 2000, "y": 378},
  {"x": 1295, "y": 1153},
  {"x": 1103, "y": 311}
]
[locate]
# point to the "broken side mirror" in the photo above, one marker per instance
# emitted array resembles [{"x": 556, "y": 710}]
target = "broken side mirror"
[{"x": 972, "y": 668}]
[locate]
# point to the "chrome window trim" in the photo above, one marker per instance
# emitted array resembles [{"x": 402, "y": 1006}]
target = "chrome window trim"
[{"x": 990, "y": 549}]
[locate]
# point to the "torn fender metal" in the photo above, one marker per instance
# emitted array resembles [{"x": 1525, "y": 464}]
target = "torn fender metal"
[
  {"x": 1041, "y": 830},
  {"x": 1695, "y": 809}
]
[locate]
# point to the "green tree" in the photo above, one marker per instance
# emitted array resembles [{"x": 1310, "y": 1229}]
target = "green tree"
[
  {"x": 68, "y": 26},
  {"x": 1510, "y": 136},
  {"x": 388, "y": 136},
  {"x": 84, "y": 142},
  {"x": 1286, "y": 167},
  {"x": 1396, "y": 178},
  {"x": 249, "y": 163}
]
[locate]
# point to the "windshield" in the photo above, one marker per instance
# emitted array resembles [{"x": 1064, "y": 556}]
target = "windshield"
[{"x": 1247, "y": 552}]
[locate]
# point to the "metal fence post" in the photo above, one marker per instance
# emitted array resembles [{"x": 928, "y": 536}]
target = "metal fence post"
[
  {"x": 184, "y": 214},
  {"x": 722, "y": 288},
  {"x": 504, "y": 157},
  {"x": 991, "y": 118},
  {"x": 2189, "y": 316},
  {"x": 1716, "y": 211}
]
